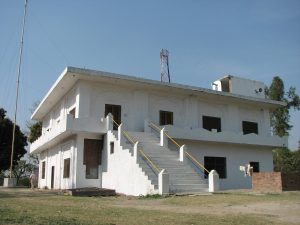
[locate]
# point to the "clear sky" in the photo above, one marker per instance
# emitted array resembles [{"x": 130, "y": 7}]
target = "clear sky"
[{"x": 206, "y": 40}]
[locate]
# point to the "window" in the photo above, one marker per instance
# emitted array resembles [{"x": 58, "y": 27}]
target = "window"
[
  {"x": 210, "y": 123},
  {"x": 250, "y": 127},
  {"x": 67, "y": 168},
  {"x": 165, "y": 118},
  {"x": 72, "y": 112},
  {"x": 43, "y": 169},
  {"x": 112, "y": 147},
  {"x": 255, "y": 166},
  {"x": 92, "y": 157},
  {"x": 215, "y": 163},
  {"x": 115, "y": 110}
]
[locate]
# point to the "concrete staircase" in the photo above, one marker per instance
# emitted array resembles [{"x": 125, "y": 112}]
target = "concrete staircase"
[{"x": 182, "y": 177}]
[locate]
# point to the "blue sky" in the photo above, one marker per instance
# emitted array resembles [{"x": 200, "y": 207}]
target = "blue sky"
[{"x": 206, "y": 40}]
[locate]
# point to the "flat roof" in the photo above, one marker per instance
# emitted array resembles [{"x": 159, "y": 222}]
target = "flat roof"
[{"x": 71, "y": 75}]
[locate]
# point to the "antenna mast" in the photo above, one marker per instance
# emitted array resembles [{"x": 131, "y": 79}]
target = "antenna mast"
[
  {"x": 17, "y": 91},
  {"x": 164, "y": 66}
]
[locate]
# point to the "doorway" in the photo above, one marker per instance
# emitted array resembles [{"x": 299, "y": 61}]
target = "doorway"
[
  {"x": 52, "y": 177},
  {"x": 115, "y": 110}
]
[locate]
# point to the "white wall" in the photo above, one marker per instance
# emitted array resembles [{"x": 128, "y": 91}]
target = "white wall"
[
  {"x": 55, "y": 157},
  {"x": 122, "y": 173},
  {"x": 81, "y": 181},
  {"x": 236, "y": 155}
]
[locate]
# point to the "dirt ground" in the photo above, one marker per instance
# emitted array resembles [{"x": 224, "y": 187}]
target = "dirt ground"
[{"x": 283, "y": 207}]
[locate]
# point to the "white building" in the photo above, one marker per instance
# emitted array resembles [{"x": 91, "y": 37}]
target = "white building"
[{"x": 221, "y": 129}]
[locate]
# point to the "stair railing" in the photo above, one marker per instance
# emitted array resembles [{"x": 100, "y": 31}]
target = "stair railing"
[
  {"x": 143, "y": 154},
  {"x": 182, "y": 148}
]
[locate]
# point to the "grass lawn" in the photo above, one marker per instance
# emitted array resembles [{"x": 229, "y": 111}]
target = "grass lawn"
[{"x": 24, "y": 206}]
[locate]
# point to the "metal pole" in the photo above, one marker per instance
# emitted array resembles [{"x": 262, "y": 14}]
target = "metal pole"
[{"x": 17, "y": 92}]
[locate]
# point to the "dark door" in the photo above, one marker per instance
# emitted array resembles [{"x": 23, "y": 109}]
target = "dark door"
[
  {"x": 115, "y": 110},
  {"x": 52, "y": 177}
]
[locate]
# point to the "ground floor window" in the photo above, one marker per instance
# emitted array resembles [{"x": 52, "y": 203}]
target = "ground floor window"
[
  {"x": 112, "y": 147},
  {"x": 255, "y": 166},
  {"x": 215, "y": 163},
  {"x": 67, "y": 168},
  {"x": 43, "y": 169},
  {"x": 92, "y": 157}
]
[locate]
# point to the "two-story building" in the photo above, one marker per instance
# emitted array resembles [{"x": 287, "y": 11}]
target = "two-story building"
[{"x": 114, "y": 131}]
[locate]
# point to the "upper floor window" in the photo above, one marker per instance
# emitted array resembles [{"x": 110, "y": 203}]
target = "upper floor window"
[
  {"x": 115, "y": 110},
  {"x": 165, "y": 118},
  {"x": 210, "y": 123},
  {"x": 250, "y": 127},
  {"x": 72, "y": 112}
]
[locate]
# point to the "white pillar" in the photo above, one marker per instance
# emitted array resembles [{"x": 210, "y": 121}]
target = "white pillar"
[
  {"x": 163, "y": 138},
  {"x": 135, "y": 150},
  {"x": 109, "y": 122},
  {"x": 213, "y": 181},
  {"x": 163, "y": 182},
  {"x": 10, "y": 182},
  {"x": 182, "y": 153},
  {"x": 120, "y": 134}
]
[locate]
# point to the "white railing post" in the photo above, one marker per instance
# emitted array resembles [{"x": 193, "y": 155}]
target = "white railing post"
[
  {"x": 109, "y": 122},
  {"x": 146, "y": 126},
  {"x": 213, "y": 181},
  {"x": 182, "y": 153},
  {"x": 120, "y": 133},
  {"x": 163, "y": 138},
  {"x": 135, "y": 151},
  {"x": 163, "y": 182}
]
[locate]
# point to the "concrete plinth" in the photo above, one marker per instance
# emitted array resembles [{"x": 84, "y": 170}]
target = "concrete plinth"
[{"x": 10, "y": 182}]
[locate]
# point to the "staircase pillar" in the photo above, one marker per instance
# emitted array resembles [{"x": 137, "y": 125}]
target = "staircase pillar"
[
  {"x": 120, "y": 133},
  {"x": 163, "y": 182},
  {"x": 163, "y": 138},
  {"x": 213, "y": 181},
  {"x": 109, "y": 122},
  {"x": 182, "y": 153},
  {"x": 135, "y": 150}
]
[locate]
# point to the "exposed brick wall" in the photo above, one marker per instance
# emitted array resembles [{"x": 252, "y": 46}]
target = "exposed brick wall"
[
  {"x": 275, "y": 182},
  {"x": 267, "y": 182}
]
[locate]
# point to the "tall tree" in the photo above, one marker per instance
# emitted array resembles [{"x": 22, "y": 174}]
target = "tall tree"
[
  {"x": 35, "y": 131},
  {"x": 6, "y": 129},
  {"x": 280, "y": 118}
]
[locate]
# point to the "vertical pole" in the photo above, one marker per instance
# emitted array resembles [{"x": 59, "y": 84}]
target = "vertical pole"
[{"x": 17, "y": 92}]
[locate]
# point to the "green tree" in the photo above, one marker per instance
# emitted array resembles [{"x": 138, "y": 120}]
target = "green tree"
[
  {"x": 6, "y": 129},
  {"x": 280, "y": 117},
  {"x": 285, "y": 160},
  {"x": 35, "y": 131},
  {"x": 22, "y": 169}
]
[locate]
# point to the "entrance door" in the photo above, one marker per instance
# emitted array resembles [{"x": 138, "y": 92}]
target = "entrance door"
[
  {"x": 52, "y": 177},
  {"x": 115, "y": 110}
]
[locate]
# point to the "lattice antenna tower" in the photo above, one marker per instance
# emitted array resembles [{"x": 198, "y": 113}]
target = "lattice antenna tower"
[{"x": 164, "y": 66}]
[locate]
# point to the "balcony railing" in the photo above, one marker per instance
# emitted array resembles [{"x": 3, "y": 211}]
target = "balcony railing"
[{"x": 67, "y": 127}]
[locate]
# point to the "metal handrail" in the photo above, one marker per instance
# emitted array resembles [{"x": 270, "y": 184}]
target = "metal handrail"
[
  {"x": 158, "y": 129},
  {"x": 131, "y": 139},
  {"x": 152, "y": 125},
  {"x": 150, "y": 161},
  {"x": 196, "y": 161}
]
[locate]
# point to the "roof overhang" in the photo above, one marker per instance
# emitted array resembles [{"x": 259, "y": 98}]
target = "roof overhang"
[{"x": 71, "y": 75}]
